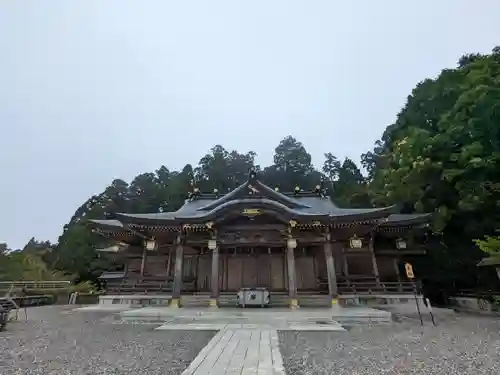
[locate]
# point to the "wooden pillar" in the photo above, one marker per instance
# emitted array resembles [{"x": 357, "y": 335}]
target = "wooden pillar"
[
  {"x": 143, "y": 261},
  {"x": 214, "y": 281},
  {"x": 169, "y": 261},
  {"x": 330, "y": 269},
  {"x": 374, "y": 259},
  {"x": 176, "y": 290},
  {"x": 292, "y": 273},
  {"x": 398, "y": 274}
]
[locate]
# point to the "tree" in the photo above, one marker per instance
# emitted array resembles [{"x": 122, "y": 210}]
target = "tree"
[
  {"x": 442, "y": 155},
  {"x": 292, "y": 167}
]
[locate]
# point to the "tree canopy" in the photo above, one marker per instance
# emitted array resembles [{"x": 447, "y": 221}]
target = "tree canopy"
[{"x": 441, "y": 155}]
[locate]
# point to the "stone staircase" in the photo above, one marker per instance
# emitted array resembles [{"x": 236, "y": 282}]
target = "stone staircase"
[
  {"x": 279, "y": 300},
  {"x": 195, "y": 300},
  {"x": 228, "y": 300}
]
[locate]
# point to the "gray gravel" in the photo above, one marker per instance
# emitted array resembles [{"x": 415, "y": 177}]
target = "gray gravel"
[
  {"x": 56, "y": 340},
  {"x": 461, "y": 345}
]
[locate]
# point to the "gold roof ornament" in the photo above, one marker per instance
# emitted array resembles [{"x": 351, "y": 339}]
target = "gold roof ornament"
[
  {"x": 253, "y": 189},
  {"x": 251, "y": 211}
]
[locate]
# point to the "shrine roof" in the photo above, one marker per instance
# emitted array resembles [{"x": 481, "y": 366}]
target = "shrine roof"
[{"x": 255, "y": 194}]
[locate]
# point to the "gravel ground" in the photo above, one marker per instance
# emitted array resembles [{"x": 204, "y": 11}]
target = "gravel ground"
[
  {"x": 461, "y": 345},
  {"x": 56, "y": 340}
]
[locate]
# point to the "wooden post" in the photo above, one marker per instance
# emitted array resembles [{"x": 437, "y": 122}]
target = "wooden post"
[
  {"x": 398, "y": 274},
  {"x": 214, "y": 282},
  {"x": 292, "y": 274},
  {"x": 143, "y": 261},
  {"x": 330, "y": 269},
  {"x": 169, "y": 261},
  {"x": 176, "y": 290},
  {"x": 374, "y": 259}
]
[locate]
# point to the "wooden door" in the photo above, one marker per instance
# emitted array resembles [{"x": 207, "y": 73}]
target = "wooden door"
[
  {"x": 306, "y": 277},
  {"x": 263, "y": 270},
  {"x": 277, "y": 272},
  {"x": 234, "y": 273},
  {"x": 249, "y": 271},
  {"x": 204, "y": 272}
]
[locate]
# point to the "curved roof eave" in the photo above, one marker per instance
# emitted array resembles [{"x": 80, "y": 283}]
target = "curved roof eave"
[
  {"x": 160, "y": 217},
  {"x": 362, "y": 214},
  {"x": 407, "y": 219},
  {"x": 115, "y": 224}
]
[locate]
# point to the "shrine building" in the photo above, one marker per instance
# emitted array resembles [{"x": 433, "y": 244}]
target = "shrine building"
[{"x": 298, "y": 246}]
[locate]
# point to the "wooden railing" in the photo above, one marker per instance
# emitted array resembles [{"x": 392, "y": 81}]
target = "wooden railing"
[
  {"x": 19, "y": 284},
  {"x": 373, "y": 287}
]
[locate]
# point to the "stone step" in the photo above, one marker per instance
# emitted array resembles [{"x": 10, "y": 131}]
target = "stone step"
[
  {"x": 314, "y": 300},
  {"x": 196, "y": 300}
]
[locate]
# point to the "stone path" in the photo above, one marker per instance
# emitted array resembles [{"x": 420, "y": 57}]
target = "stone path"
[
  {"x": 332, "y": 326},
  {"x": 239, "y": 352}
]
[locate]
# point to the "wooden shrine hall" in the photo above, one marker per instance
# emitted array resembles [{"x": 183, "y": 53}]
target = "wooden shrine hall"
[{"x": 295, "y": 245}]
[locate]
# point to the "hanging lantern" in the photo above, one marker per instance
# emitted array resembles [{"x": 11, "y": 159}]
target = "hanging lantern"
[
  {"x": 355, "y": 242},
  {"x": 150, "y": 245},
  {"x": 212, "y": 244},
  {"x": 276, "y": 189},
  {"x": 401, "y": 243},
  {"x": 318, "y": 188}
]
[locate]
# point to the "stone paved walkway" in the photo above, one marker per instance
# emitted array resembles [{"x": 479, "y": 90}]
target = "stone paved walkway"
[{"x": 239, "y": 352}]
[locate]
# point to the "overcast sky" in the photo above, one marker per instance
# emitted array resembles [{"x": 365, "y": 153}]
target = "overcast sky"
[{"x": 96, "y": 90}]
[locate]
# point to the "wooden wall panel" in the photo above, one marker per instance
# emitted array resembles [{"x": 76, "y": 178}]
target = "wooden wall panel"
[{"x": 156, "y": 265}]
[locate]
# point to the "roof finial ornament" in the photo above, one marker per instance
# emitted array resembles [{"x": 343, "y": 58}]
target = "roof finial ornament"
[{"x": 252, "y": 176}]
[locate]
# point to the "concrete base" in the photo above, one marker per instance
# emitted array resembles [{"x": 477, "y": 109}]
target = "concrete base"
[
  {"x": 105, "y": 308},
  {"x": 294, "y": 303},
  {"x": 274, "y": 318},
  {"x": 135, "y": 300},
  {"x": 379, "y": 300},
  {"x": 174, "y": 303}
]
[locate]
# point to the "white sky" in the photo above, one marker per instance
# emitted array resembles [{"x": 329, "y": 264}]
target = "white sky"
[{"x": 92, "y": 90}]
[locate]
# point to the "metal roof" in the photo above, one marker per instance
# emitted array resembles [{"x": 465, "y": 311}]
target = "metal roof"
[{"x": 254, "y": 194}]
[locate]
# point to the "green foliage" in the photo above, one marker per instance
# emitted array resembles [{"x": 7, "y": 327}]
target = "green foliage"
[
  {"x": 442, "y": 155},
  {"x": 490, "y": 245},
  {"x": 443, "y": 152}
]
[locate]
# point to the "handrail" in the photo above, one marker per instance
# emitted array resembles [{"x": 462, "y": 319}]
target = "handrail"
[
  {"x": 374, "y": 287},
  {"x": 31, "y": 284}
]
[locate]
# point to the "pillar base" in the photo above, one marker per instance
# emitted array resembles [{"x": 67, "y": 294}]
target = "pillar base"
[
  {"x": 213, "y": 303},
  {"x": 175, "y": 303},
  {"x": 294, "y": 303}
]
